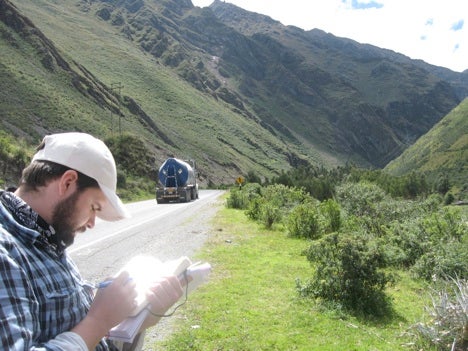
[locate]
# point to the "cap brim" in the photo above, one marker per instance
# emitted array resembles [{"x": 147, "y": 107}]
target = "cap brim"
[{"x": 114, "y": 210}]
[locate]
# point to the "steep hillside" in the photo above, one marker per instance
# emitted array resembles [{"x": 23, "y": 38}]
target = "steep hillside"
[
  {"x": 50, "y": 85},
  {"x": 373, "y": 102},
  {"x": 441, "y": 151},
  {"x": 235, "y": 90}
]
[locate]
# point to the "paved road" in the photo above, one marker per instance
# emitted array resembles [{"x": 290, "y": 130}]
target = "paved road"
[{"x": 166, "y": 231}]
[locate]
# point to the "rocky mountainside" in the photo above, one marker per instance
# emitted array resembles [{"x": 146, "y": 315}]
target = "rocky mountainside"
[
  {"x": 376, "y": 102},
  {"x": 236, "y": 90},
  {"x": 442, "y": 152}
]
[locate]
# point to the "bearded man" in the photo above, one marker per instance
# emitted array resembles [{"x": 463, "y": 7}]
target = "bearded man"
[{"x": 44, "y": 302}]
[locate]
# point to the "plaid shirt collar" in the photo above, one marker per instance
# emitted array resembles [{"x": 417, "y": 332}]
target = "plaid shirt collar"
[{"x": 27, "y": 217}]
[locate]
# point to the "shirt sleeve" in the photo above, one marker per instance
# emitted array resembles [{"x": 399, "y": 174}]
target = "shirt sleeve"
[
  {"x": 68, "y": 341},
  {"x": 18, "y": 307},
  {"x": 19, "y": 326}
]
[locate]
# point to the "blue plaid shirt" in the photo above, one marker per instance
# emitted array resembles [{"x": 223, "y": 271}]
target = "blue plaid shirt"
[{"x": 41, "y": 291}]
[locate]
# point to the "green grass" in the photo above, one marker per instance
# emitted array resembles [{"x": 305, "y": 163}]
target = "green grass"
[{"x": 250, "y": 302}]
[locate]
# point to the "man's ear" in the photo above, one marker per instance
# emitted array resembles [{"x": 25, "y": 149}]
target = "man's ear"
[{"x": 68, "y": 182}]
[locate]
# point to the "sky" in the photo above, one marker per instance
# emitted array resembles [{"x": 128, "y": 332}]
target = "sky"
[{"x": 435, "y": 31}]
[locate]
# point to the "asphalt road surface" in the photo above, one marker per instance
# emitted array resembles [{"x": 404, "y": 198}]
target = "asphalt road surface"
[{"x": 166, "y": 231}]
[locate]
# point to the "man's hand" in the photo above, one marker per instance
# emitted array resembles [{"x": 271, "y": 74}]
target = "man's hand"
[
  {"x": 111, "y": 305},
  {"x": 162, "y": 295},
  {"x": 116, "y": 301}
]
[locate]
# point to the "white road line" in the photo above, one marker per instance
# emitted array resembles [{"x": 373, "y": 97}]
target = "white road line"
[{"x": 71, "y": 251}]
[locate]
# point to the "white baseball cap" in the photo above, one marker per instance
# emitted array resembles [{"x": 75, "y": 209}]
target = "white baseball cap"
[{"x": 90, "y": 156}]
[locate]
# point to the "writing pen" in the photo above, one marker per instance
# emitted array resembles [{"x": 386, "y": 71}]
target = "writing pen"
[
  {"x": 103, "y": 284},
  {"x": 106, "y": 283}
]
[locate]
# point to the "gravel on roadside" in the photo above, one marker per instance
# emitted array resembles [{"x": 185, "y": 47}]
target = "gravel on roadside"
[{"x": 201, "y": 226}]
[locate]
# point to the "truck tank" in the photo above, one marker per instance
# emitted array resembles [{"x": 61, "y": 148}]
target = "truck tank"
[{"x": 177, "y": 182}]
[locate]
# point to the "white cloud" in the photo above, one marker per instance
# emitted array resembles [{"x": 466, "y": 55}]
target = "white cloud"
[{"x": 431, "y": 30}]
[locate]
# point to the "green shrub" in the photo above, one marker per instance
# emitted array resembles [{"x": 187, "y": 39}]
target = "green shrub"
[
  {"x": 331, "y": 213},
  {"x": 254, "y": 211},
  {"x": 5, "y": 147},
  {"x": 20, "y": 158},
  {"x": 444, "y": 225},
  {"x": 405, "y": 243},
  {"x": 283, "y": 196},
  {"x": 303, "y": 222},
  {"x": 14, "y": 156},
  {"x": 448, "y": 198},
  {"x": 121, "y": 179},
  {"x": 349, "y": 272},
  {"x": 359, "y": 199},
  {"x": 434, "y": 244},
  {"x": 270, "y": 214},
  {"x": 432, "y": 203},
  {"x": 132, "y": 155},
  {"x": 252, "y": 190},
  {"x": 446, "y": 259},
  {"x": 241, "y": 198},
  {"x": 442, "y": 184},
  {"x": 252, "y": 177},
  {"x": 131, "y": 188},
  {"x": 274, "y": 203},
  {"x": 237, "y": 199}
]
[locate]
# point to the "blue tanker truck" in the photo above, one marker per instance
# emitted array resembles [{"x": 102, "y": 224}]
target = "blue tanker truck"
[{"x": 177, "y": 182}]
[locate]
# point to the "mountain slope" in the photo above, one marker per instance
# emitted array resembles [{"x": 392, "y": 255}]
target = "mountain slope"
[
  {"x": 153, "y": 103},
  {"x": 443, "y": 150},
  {"x": 235, "y": 90},
  {"x": 375, "y": 102}
]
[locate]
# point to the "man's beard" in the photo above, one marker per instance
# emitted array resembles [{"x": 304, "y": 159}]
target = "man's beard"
[{"x": 62, "y": 219}]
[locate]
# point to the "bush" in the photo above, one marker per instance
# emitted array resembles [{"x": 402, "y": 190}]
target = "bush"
[
  {"x": 405, "y": 243},
  {"x": 447, "y": 259},
  {"x": 319, "y": 183},
  {"x": 131, "y": 155},
  {"x": 359, "y": 199},
  {"x": 5, "y": 146},
  {"x": 349, "y": 272},
  {"x": 237, "y": 199},
  {"x": 14, "y": 156},
  {"x": 444, "y": 245},
  {"x": 331, "y": 213},
  {"x": 274, "y": 203},
  {"x": 432, "y": 243},
  {"x": 303, "y": 222},
  {"x": 444, "y": 225},
  {"x": 449, "y": 198},
  {"x": 283, "y": 197},
  {"x": 241, "y": 198},
  {"x": 432, "y": 203},
  {"x": 270, "y": 214},
  {"x": 255, "y": 208}
]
